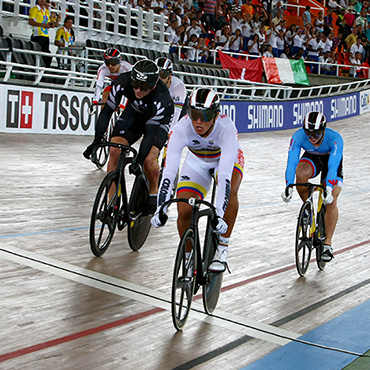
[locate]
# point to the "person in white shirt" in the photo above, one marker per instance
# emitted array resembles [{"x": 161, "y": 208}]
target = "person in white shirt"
[
  {"x": 212, "y": 140},
  {"x": 357, "y": 47},
  {"x": 112, "y": 67},
  {"x": 175, "y": 86},
  {"x": 268, "y": 53}
]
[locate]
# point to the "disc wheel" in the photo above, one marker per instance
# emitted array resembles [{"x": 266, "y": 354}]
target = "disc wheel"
[
  {"x": 183, "y": 282},
  {"x": 303, "y": 244},
  {"x": 104, "y": 216},
  {"x": 139, "y": 223},
  {"x": 320, "y": 239},
  {"x": 212, "y": 287}
]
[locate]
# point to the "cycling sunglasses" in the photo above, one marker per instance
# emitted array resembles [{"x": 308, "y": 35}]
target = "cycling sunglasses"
[
  {"x": 314, "y": 135},
  {"x": 110, "y": 63},
  {"x": 204, "y": 115},
  {"x": 143, "y": 86}
]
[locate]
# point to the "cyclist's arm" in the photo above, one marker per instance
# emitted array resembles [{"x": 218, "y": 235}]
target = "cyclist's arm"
[
  {"x": 99, "y": 84},
  {"x": 229, "y": 148},
  {"x": 293, "y": 158},
  {"x": 178, "y": 96},
  {"x": 336, "y": 154}
]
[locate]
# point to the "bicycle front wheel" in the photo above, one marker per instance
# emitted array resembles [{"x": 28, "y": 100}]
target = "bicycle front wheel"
[
  {"x": 303, "y": 243},
  {"x": 102, "y": 153},
  {"x": 104, "y": 216},
  {"x": 183, "y": 282},
  {"x": 139, "y": 224},
  {"x": 320, "y": 238},
  {"x": 212, "y": 287}
]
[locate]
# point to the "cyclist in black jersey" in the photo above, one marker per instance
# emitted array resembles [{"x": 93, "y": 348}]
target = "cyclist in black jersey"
[{"x": 149, "y": 112}]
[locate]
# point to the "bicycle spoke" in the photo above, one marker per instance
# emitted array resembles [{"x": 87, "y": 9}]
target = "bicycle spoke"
[
  {"x": 104, "y": 216},
  {"x": 303, "y": 239},
  {"x": 183, "y": 282}
]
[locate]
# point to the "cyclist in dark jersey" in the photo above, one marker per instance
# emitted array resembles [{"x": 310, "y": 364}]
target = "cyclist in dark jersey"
[
  {"x": 323, "y": 153},
  {"x": 149, "y": 112}
]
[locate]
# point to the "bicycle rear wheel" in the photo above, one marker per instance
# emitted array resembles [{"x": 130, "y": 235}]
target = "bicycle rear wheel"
[
  {"x": 104, "y": 216},
  {"x": 212, "y": 287},
  {"x": 303, "y": 243},
  {"x": 320, "y": 238},
  {"x": 139, "y": 224},
  {"x": 183, "y": 282}
]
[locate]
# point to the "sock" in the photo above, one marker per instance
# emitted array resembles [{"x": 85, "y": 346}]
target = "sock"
[{"x": 224, "y": 242}]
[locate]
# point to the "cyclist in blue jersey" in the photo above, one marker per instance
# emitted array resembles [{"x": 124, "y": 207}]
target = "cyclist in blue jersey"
[{"x": 323, "y": 153}]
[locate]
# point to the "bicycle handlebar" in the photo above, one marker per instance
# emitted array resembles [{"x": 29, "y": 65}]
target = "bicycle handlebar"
[
  {"x": 120, "y": 146},
  {"x": 310, "y": 186},
  {"x": 191, "y": 201}
]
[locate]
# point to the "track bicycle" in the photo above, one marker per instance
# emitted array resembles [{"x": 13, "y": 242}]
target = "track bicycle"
[
  {"x": 113, "y": 209},
  {"x": 310, "y": 232},
  {"x": 193, "y": 271}
]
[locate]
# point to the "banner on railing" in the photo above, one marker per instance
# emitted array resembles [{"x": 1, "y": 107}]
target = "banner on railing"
[
  {"x": 26, "y": 109},
  {"x": 285, "y": 71},
  {"x": 252, "y": 116},
  {"x": 39, "y": 110},
  {"x": 249, "y": 70}
]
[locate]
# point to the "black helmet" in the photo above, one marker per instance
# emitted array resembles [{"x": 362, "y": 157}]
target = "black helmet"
[
  {"x": 165, "y": 67},
  {"x": 203, "y": 104},
  {"x": 314, "y": 123},
  {"x": 144, "y": 74},
  {"x": 112, "y": 56}
]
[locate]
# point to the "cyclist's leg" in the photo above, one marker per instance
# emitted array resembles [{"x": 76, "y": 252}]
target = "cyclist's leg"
[
  {"x": 308, "y": 167},
  {"x": 233, "y": 205},
  {"x": 152, "y": 143},
  {"x": 219, "y": 261},
  {"x": 194, "y": 182},
  {"x": 331, "y": 216},
  {"x": 151, "y": 169}
]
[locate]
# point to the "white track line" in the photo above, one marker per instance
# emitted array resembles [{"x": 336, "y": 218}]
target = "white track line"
[{"x": 145, "y": 295}]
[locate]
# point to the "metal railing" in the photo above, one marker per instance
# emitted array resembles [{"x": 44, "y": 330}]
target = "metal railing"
[
  {"x": 99, "y": 19},
  {"x": 79, "y": 77}
]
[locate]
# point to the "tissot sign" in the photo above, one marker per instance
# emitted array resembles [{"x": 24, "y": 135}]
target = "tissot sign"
[{"x": 45, "y": 111}]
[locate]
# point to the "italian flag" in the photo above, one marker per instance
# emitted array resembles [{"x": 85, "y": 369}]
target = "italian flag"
[{"x": 285, "y": 71}]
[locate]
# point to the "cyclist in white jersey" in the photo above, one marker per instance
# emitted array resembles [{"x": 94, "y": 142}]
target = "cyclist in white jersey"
[
  {"x": 112, "y": 67},
  {"x": 212, "y": 140},
  {"x": 175, "y": 85}
]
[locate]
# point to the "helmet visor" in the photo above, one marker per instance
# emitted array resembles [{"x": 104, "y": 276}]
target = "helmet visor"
[
  {"x": 143, "y": 86},
  {"x": 206, "y": 115}
]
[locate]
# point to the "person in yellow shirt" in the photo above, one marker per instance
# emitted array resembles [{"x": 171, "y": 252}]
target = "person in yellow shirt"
[
  {"x": 39, "y": 19},
  {"x": 64, "y": 37}
]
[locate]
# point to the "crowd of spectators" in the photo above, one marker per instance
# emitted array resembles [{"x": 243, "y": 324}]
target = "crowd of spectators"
[
  {"x": 199, "y": 29},
  {"x": 259, "y": 28}
]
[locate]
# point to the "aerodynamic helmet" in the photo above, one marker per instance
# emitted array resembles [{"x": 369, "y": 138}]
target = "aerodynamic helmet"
[
  {"x": 144, "y": 75},
  {"x": 204, "y": 103}
]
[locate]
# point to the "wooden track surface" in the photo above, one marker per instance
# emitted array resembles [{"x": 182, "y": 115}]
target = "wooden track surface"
[{"x": 63, "y": 308}]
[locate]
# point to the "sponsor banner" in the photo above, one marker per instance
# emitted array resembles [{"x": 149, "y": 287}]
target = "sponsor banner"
[
  {"x": 35, "y": 110},
  {"x": 272, "y": 116},
  {"x": 364, "y": 101}
]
